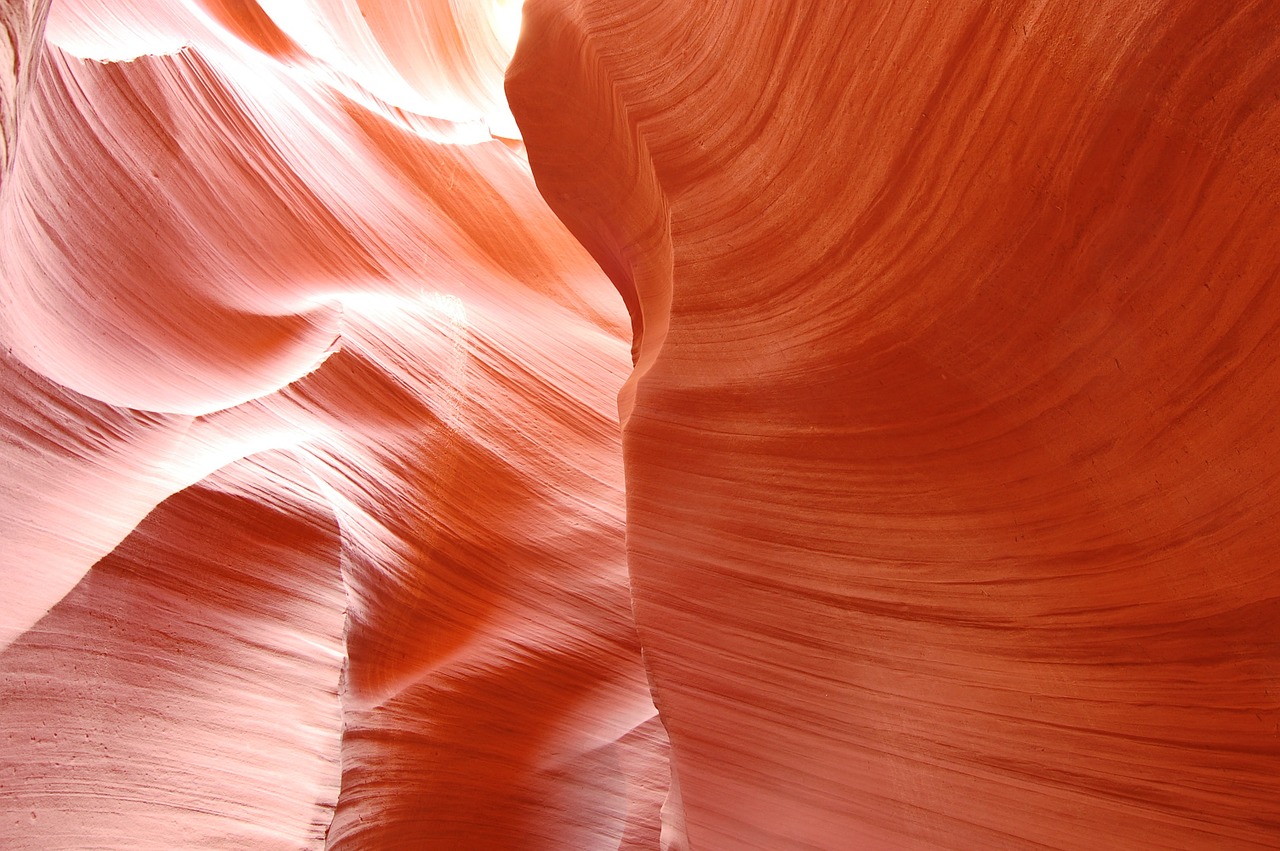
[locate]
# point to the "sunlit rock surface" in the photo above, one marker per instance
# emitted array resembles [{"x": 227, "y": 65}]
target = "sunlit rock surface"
[
  {"x": 936, "y": 348},
  {"x": 313, "y": 507}
]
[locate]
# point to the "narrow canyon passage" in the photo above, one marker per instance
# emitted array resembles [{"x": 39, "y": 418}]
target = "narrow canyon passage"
[{"x": 590, "y": 424}]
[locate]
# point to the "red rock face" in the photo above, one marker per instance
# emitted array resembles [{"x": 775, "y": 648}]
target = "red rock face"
[
  {"x": 941, "y": 508},
  {"x": 951, "y": 454}
]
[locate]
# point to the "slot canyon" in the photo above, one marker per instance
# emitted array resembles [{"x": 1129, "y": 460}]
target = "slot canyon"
[{"x": 622, "y": 425}]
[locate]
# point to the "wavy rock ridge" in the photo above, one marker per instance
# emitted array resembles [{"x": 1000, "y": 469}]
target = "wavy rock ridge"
[
  {"x": 313, "y": 486},
  {"x": 948, "y": 439}
]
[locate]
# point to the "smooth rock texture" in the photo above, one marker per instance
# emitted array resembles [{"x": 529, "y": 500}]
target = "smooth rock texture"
[
  {"x": 185, "y": 692},
  {"x": 933, "y": 507},
  {"x": 952, "y": 447},
  {"x": 312, "y": 492}
]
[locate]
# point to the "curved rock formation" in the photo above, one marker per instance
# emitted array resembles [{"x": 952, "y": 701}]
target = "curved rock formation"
[
  {"x": 951, "y": 454},
  {"x": 313, "y": 484},
  {"x": 948, "y": 443}
]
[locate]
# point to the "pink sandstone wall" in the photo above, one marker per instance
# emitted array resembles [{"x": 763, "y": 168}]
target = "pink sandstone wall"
[{"x": 934, "y": 505}]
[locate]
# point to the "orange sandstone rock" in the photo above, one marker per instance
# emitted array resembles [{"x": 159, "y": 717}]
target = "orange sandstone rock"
[
  {"x": 952, "y": 455},
  {"x": 941, "y": 514}
]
